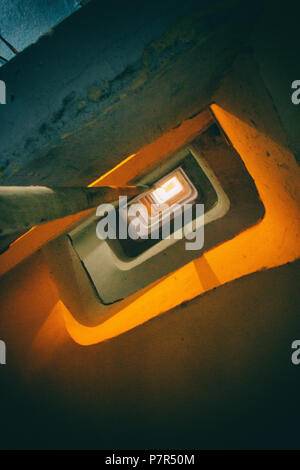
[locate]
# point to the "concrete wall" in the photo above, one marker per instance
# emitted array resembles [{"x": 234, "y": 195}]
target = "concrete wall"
[
  {"x": 258, "y": 87},
  {"x": 214, "y": 372},
  {"x": 110, "y": 80},
  {"x": 202, "y": 376}
]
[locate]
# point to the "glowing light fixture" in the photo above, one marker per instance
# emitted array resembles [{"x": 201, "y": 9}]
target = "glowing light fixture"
[
  {"x": 167, "y": 190},
  {"x": 173, "y": 190}
]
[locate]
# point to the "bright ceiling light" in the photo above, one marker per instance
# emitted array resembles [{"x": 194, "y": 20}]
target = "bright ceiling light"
[
  {"x": 174, "y": 189},
  {"x": 167, "y": 190}
]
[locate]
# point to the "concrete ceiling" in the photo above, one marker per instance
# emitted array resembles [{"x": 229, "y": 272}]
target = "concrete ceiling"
[
  {"x": 107, "y": 81},
  {"x": 112, "y": 78}
]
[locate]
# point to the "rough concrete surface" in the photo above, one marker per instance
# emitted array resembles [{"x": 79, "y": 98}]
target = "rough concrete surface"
[
  {"x": 213, "y": 373},
  {"x": 108, "y": 81}
]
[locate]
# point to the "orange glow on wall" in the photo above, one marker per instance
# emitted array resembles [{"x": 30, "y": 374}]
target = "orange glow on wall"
[{"x": 272, "y": 242}]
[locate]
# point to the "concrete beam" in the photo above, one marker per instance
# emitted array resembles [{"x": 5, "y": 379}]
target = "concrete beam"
[{"x": 22, "y": 207}]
